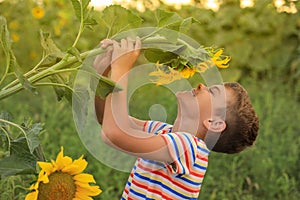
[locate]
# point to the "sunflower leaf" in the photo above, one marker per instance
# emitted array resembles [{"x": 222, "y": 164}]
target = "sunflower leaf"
[
  {"x": 170, "y": 20},
  {"x": 52, "y": 53},
  {"x": 13, "y": 165},
  {"x": 157, "y": 55},
  {"x": 118, "y": 19},
  {"x": 5, "y": 40},
  {"x": 20, "y": 160},
  {"x": 33, "y": 136},
  {"x": 106, "y": 86}
]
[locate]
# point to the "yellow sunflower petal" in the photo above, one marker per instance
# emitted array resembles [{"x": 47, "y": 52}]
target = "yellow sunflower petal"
[
  {"x": 34, "y": 186},
  {"x": 82, "y": 197},
  {"x": 61, "y": 160},
  {"x": 43, "y": 177},
  {"x": 84, "y": 178},
  {"x": 88, "y": 189},
  {"x": 218, "y": 53},
  {"x": 47, "y": 167},
  {"x": 76, "y": 167},
  {"x": 187, "y": 72},
  {"x": 32, "y": 195}
]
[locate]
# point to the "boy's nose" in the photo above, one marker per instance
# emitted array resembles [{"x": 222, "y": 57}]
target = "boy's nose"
[{"x": 200, "y": 87}]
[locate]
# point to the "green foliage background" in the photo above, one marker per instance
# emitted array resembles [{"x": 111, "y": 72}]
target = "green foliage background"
[{"x": 265, "y": 50}]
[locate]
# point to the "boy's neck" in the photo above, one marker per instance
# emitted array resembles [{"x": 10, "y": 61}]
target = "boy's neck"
[{"x": 191, "y": 126}]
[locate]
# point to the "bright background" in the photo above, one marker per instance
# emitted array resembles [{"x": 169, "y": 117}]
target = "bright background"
[{"x": 264, "y": 43}]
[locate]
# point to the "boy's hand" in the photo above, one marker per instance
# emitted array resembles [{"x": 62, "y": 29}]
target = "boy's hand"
[
  {"x": 102, "y": 63},
  {"x": 124, "y": 56}
]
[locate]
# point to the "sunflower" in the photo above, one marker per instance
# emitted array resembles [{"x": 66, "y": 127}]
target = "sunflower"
[
  {"x": 219, "y": 60},
  {"x": 63, "y": 179},
  {"x": 15, "y": 37},
  {"x": 38, "y": 12},
  {"x": 166, "y": 74}
]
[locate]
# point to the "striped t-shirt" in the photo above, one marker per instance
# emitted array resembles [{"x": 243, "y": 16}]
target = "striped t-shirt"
[{"x": 180, "y": 180}]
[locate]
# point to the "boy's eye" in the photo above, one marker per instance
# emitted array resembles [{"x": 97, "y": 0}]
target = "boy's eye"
[{"x": 211, "y": 90}]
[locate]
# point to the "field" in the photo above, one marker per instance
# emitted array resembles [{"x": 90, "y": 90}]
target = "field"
[
  {"x": 269, "y": 71},
  {"x": 269, "y": 170}
]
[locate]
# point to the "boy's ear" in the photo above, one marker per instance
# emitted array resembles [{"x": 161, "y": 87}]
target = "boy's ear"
[{"x": 216, "y": 125}]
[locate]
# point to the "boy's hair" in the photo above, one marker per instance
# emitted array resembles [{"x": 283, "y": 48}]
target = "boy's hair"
[{"x": 241, "y": 122}]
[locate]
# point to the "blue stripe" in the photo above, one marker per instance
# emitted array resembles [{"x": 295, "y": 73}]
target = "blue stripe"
[
  {"x": 150, "y": 123},
  {"x": 199, "y": 166},
  {"x": 139, "y": 194},
  {"x": 203, "y": 149},
  {"x": 191, "y": 146},
  {"x": 160, "y": 127},
  {"x": 176, "y": 150},
  {"x": 162, "y": 185},
  {"x": 190, "y": 182},
  {"x": 160, "y": 164}
]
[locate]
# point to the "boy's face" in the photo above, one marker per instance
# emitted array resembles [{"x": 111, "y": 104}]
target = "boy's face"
[{"x": 202, "y": 103}]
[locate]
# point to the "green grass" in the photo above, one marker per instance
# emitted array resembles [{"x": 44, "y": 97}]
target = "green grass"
[{"x": 269, "y": 170}]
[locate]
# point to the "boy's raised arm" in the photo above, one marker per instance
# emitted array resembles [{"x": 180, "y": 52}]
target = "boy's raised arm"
[
  {"x": 116, "y": 128},
  {"x": 102, "y": 65}
]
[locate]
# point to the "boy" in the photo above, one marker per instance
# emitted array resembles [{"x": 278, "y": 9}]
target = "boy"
[{"x": 172, "y": 160}]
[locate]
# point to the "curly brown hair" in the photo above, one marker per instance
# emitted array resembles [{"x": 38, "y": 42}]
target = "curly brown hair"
[{"x": 241, "y": 122}]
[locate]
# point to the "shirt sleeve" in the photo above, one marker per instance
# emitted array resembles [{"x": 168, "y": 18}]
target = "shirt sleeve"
[
  {"x": 155, "y": 126},
  {"x": 182, "y": 148}
]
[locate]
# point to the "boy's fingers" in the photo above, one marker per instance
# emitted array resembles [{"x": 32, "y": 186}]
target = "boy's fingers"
[
  {"x": 138, "y": 44},
  {"x": 116, "y": 45},
  {"x": 106, "y": 42},
  {"x": 124, "y": 43},
  {"x": 130, "y": 43}
]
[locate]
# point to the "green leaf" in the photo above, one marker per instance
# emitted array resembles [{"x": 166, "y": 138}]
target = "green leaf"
[
  {"x": 13, "y": 165},
  {"x": 21, "y": 160},
  {"x": 117, "y": 19},
  {"x": 170, "y": 20},
  {"x": 106, "y": 86},
  {"x": 157, "y": 55},
  {"x": 50, "y": 48},
  {"x": 6, "y": 116},
  {"x": 59, "y": 91},
  {"x": 77, "y": 8},
  {"x": 33, "y": 136},
  {"x": 186, "y": 24},
  {"x": 5, "y": 38},
  {"x": 90, "y": 20},
  {"x": 80, "y": 8}
]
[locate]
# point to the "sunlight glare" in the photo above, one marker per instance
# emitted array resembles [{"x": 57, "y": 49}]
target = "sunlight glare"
[
  {"x": 246, "y": 3},
  {"x": 101, "y": 3},
  {"x": 176, "y": 2},
  {"x": 279, "y": 3},
  {"x": 212, "y": 4}
]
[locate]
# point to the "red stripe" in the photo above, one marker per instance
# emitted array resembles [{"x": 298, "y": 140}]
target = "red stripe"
[
  {"x": 154, "y": 191},
  {"x": 187, "y": 157},
  {"x": 145, "y": 124},
  {"x": 205, "y": 159},
  {"x": 164, "y": 175},
  {"x": 152, "y": 130}
]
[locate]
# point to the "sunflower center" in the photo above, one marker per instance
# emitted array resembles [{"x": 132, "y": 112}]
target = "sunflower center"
[{"x": 61, "y": 186}]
